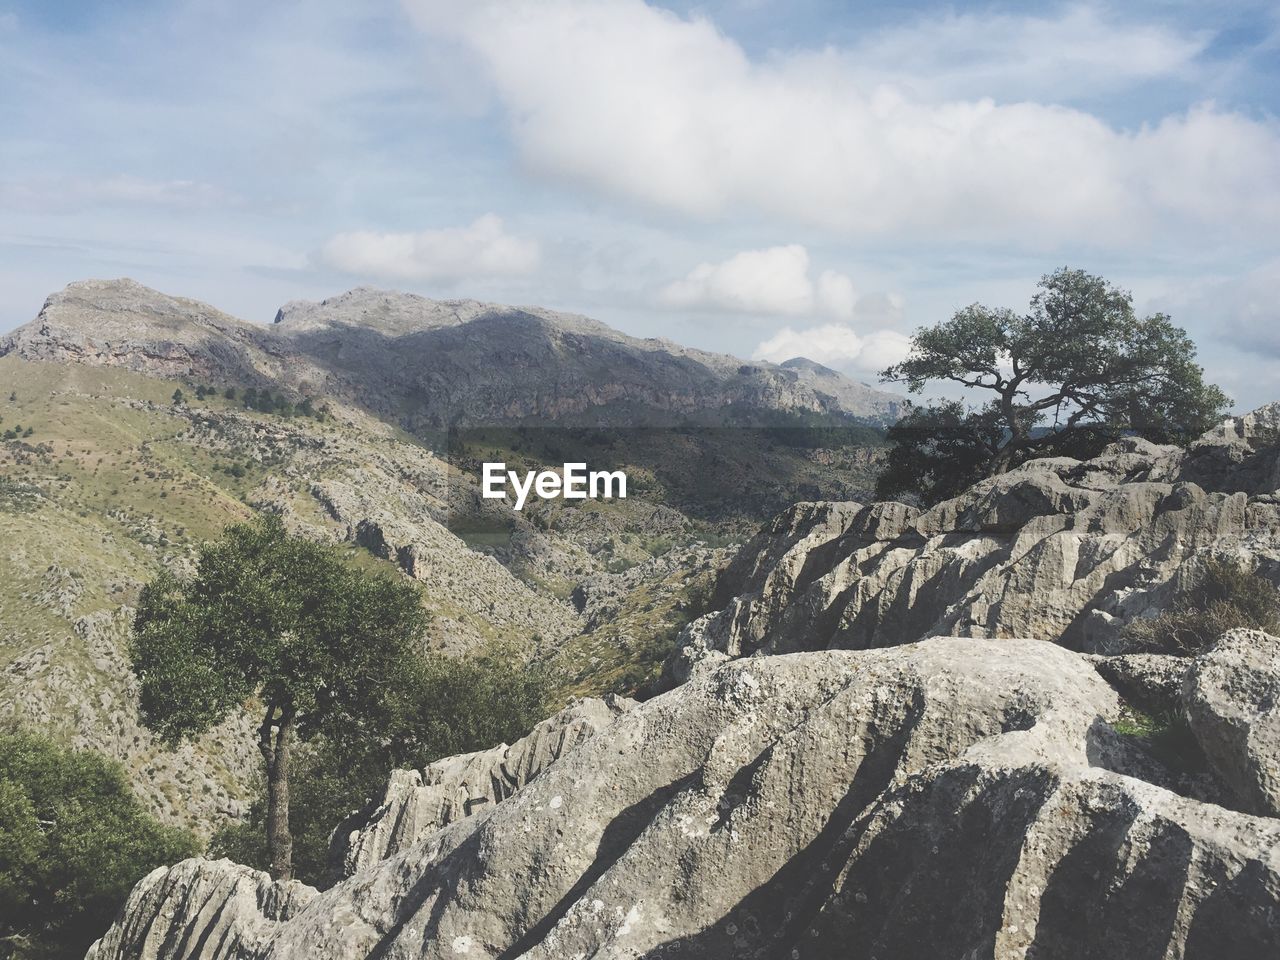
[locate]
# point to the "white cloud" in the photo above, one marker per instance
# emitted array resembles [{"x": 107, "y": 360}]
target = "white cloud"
[
  {"x": 641, "y": 103},
  {"x": 775, "y": 280},
  {"x": 1243, "y": 311},
  {"x": 837, "y": 345},
  {"x": 836, "y": 295},
  {"x": 1078, "y": 50},
  {"x": 483, "y": 249}
]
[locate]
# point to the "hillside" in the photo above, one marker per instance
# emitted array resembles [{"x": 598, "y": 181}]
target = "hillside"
[{"x": 106, "y": 477}]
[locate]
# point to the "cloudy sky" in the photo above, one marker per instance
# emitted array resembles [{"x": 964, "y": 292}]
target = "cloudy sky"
[{"x": 763, "y": 177}]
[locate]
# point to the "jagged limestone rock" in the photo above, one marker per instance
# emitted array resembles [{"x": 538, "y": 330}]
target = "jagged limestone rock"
[
  {"x": 199, "y": 910},
  {"x": 1058, "y": 549},
  {"x": 1232, "y": 697},
  {"x": 939, "y": 799},
  {"x": 415, "y": 803},
  {"x": 1151, "y": 681}
]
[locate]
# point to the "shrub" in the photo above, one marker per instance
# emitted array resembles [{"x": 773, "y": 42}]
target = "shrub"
[
  {"x": 73, "y": 842},
  {"x": 1226, "y": 595}
]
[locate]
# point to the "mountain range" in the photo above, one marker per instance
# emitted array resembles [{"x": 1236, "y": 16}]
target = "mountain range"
[{"x": 435, "y": 363}]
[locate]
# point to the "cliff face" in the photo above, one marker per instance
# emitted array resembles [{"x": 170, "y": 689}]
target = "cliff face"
[{"x": 431, "y": 363}]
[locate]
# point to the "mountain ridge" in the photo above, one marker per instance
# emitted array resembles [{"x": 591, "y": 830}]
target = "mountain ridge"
[{"x": 430, "y": 362}]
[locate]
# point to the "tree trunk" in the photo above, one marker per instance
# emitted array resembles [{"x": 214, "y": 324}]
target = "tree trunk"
[{"x": 276, "y": 751}]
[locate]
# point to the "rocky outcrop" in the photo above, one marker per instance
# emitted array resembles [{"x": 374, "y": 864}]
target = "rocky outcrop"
[
  {"x": 1151, "y": 681},
  {"x": 396, "y": 509},
  {"x": 1232, "y": 698},
  {"x": 1058, "y": 549},
  {"x": 416, "y": 804},
  {"x": 950, "y": 798},
  {"x": 201, "y": 908}
]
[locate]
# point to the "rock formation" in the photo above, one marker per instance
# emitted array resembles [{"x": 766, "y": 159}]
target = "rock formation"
[
  {"x": 416, "y": 804},
  {"x": 949, "y": 798},
  {"x": 1232, "y": 698},
  {"x": 200, "y": 908},
  {"x": 1058, "y": 549}
]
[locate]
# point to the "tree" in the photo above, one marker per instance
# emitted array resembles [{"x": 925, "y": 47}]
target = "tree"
[
  {"x": 457, "y": 705},
  {"x": 178, "y": 396},
  {"x": 1079, "y": 370},
  {"x": 73, "y": 842},
  {"x": 320, "y": 646}
]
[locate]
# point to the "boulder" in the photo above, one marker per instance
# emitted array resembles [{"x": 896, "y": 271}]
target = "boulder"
[
  {"x": 416, "y": 804},
  {"x": 1150, "y": 681},
  {"x": 1232, "y": 698},
  {"x": 201, "y": 910}
]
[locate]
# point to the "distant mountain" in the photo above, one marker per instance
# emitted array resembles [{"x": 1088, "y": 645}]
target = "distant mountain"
[{"x": 434, "y": 363}]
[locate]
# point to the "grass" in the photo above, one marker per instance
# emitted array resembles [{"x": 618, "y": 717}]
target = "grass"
[
  {"x": 1223, "y": 596},
  {"x": 625, "y": 655},
  {"x": 1165, "y": 735}
]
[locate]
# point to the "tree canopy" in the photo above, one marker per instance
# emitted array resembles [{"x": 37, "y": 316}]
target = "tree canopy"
[
  {"x": 321, "y": 646},
  {"x": 73, "y": 842},
  {"x": 1075, "y": 372}
]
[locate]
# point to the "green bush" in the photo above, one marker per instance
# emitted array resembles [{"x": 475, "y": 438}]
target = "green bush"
[
  {"x": 73, "y": 842},
  {"x": 1224, "y": 596}
]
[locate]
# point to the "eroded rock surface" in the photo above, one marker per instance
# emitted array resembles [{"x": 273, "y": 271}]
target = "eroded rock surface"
[
  {"x": 937, "y": 799},
  {"x": 416, "y": 803},
  {"x": 201, "y": 908},
  {"x": 1232, "y": 697},
  {"x": 1058, "y": 549}
]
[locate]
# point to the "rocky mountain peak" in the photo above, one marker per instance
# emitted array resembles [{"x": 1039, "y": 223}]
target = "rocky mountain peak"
[
  {"x": 387, "y": 311},
  {"x": 102, "y": 306},
  {"x": 804, "y": 363},
  {"x": 445, "y": 359}
]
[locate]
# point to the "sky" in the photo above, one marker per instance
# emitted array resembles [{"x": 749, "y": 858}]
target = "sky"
[{"x": 759, "y": 177}]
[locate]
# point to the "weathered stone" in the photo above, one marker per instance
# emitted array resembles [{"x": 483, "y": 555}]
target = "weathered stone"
[
  {"x": 1150, "y": 681},
  {"x": 416, "y": 804},
  {"x": 1056, "y": 549},
  {"x": 1232, "y": 697},
  {"x": 201, "y": 909},
  {"x": 931, "y": 800}
]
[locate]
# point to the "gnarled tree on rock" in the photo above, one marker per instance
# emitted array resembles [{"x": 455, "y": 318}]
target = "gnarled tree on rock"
[
  {"x": 285, "y": 624},
  {"x": 1077, "y": 371}
]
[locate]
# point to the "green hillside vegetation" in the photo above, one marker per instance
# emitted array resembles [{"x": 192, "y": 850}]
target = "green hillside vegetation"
[
  {"x": 116, "y": 476},
  {"x": 73, "y": 842}
]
